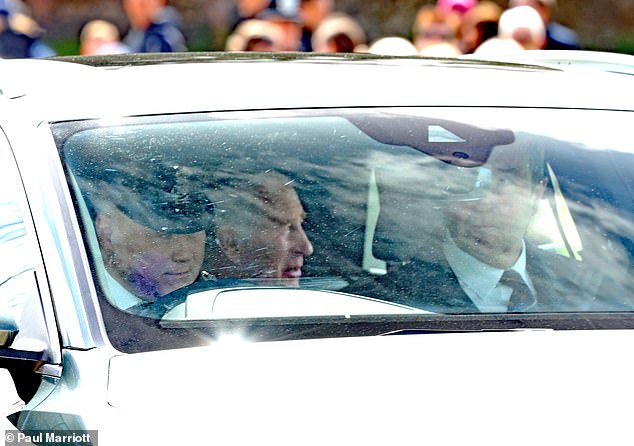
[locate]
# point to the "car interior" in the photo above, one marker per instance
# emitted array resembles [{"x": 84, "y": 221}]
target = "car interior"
[{"x": 375, "y": 185}]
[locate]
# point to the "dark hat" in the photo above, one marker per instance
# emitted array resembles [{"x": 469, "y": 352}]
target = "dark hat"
[{"x": 165, "y": 198}]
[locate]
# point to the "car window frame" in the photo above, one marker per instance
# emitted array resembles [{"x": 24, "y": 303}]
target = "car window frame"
[{"x": 374, "y": 325}]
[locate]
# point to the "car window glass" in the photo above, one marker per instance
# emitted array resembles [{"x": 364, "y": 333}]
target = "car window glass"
[{"x": 363, "y": 212}]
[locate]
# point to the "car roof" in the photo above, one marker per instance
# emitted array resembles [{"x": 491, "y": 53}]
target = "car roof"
[
  {"x": 565, "y": 59},
  {"x": 79, "y": 88}
]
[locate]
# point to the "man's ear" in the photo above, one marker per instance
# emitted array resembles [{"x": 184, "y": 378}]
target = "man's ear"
[{"x": 229, "y": 242}]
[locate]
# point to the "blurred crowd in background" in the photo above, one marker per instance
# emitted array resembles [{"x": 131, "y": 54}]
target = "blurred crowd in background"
[{"x": 444, "y": 28}]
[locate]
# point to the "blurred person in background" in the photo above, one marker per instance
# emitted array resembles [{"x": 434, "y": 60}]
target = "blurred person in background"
[
  {"x": 100, "y": 37},
  {"x": 288, "y": 22},
  {"x": 480, "y": 23},
  {"x": 442, "y": 49},
  {"x": 524, "y": 25},
  {"x": 459, "y": 7},
  {"x": 392, "y": 46},
  {"x": 255, "y": 35},
  {"x": 339, "y": 33},
  {"x": 155, "y": 27},
  {"x": 497, "y": 45},
  {"x": 433, "y": 26},
  {"x": 243, "y": 10},
  {"x": 312, "y": 13},
  {"x": 454, "y": 12},
  {"x": 20, "y": 34},
  {"x": 558, "y": 36}
]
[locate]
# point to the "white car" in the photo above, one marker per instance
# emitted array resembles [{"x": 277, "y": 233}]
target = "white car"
[{"x": 300, "y": 249}]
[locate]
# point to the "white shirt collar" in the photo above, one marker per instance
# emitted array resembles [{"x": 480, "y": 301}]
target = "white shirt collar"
[
  {"x": 118, "y": 295},
  {"x": 479, "y": 280}
]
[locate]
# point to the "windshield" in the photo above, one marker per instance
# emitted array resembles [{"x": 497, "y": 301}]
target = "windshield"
[{"x": 197, "y": 221}]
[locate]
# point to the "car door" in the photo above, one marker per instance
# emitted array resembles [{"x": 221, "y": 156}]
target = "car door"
[
  {"x": 375, "y": 185},
  {"x": 29, "y": 346}
]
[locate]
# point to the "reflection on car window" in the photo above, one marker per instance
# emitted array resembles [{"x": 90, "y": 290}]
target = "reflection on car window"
[
  {"x": 17, "y": 285},
  {"x": 418, "y": 210}
]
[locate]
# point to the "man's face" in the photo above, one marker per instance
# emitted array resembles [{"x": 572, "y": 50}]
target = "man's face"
[
  {"x": 313, "y": 12},
  {"x": 291, "y": 33},
  {"x": 278, "y": 243},
  {"x": 492, "y": 228},
  {"x": 141, "y": 12},
  {"x": 147, "y": 262}
]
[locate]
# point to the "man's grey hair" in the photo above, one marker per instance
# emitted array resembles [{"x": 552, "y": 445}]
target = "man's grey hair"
[{"x": 241, "y": 202}]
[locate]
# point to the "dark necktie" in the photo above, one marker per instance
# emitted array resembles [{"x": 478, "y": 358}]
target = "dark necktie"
[{"x": 521, "y": 297}]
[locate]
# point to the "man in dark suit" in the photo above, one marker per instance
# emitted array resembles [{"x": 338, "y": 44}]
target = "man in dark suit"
[
  {"x": 434, "y": 286},
  {"x": 466, "y": 269}
]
